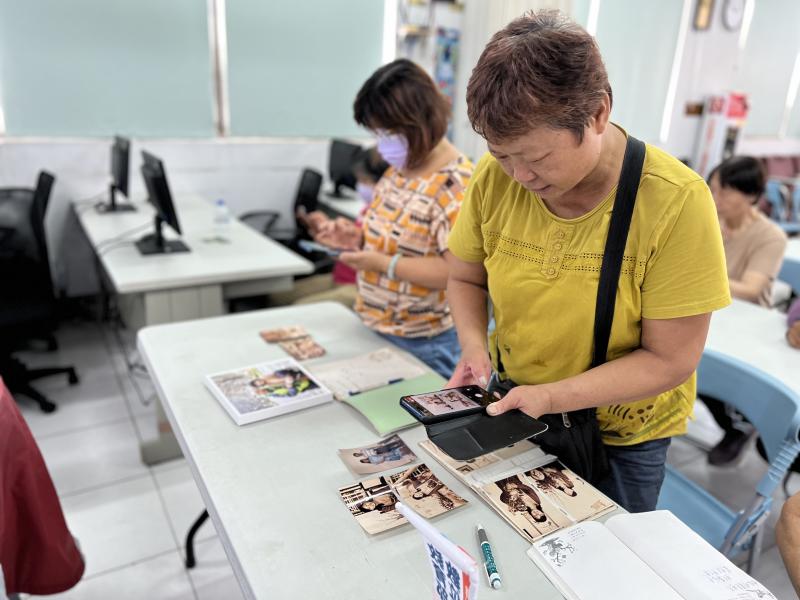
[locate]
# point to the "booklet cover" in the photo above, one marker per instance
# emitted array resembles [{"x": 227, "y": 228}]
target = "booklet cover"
[
  {"x": 266, "y": 390},
  {"x": 372, "y": 502}
]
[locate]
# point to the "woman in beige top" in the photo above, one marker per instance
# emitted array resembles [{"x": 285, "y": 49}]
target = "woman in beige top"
[
  {"x": 754, "y": 248},
  {"x": 754, "y": 245}
]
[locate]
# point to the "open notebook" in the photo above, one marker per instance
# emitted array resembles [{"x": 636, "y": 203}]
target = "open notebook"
[{"x": 647, "y": 555}]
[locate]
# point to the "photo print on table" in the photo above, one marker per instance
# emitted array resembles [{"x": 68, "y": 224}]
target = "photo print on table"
[
  {"x": 384, "y": 455},
  {"x": 530, "y": 512},
  {"x": 272, "y": 336},
  {"x": 302, "y": 348},
  {"x": 568, "y": 491},
  {"x": 418, "y": 488},
  {"x": 372, "y": 501}
]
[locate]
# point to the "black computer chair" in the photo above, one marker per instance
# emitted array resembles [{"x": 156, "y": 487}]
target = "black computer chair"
[
  {"x": 306, "y": 198},
  {"x": 27, "y": 302}
]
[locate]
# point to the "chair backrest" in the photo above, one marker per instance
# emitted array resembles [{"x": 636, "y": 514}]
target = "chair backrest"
[
  {"x": 772, "y": 408},
  {"x": 308, "y": 189},
  {"x": 776, "y": 194},
  {"x": 795, "y": 207},
  {"x": 307, "y": 194},
  {"x": 790, "y": 273},
  {"x": 41, "y": 200},
  {"x": 23, "y": 244}
]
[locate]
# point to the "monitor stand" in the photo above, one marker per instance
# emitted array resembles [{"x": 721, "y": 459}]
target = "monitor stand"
[
  {"x": 112, "y": 205},
  {"x": 154, "y": 243}
]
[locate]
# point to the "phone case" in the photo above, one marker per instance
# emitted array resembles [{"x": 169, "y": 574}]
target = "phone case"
[{"x": 464, "y": 438}]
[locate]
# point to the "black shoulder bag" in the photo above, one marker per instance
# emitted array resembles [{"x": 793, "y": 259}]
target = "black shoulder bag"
[{"x": 575, "y": 436}]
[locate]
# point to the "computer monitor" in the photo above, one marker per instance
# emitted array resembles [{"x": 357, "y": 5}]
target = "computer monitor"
[
  {"x": 155, "y": 180},
  {"x": 152, "y": 160},
  {"x": 120, "y": 159},
  {"x": 340, "y": 166}
]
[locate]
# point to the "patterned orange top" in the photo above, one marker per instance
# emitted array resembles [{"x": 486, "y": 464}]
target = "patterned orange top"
[{"x": 411, "y": 217}]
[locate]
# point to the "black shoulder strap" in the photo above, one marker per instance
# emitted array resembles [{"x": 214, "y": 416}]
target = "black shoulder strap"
[{"x": 615, "y": 246}]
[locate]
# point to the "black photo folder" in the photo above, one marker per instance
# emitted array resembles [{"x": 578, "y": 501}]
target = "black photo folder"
[{"x": 468, "y": 437}]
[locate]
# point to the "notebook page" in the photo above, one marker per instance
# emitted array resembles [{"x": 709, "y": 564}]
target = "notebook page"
[
  {"x": 684, "y": 559},
  {"x": 366, "y": 372},
  {"x": 586, "y": 561}
]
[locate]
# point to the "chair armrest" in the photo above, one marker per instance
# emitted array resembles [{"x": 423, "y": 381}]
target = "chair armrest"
[{"x": 262, "y": 220}]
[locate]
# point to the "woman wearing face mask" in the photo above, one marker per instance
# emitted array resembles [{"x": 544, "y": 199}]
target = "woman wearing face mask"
[
  {"x": 402, "y": 273},
  {"x": 340, "y": 285}
]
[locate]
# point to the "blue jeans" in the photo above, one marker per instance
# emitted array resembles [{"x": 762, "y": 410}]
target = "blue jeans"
[
  {"x": 637, "y": 473},
  {"x": 440, "y": 352}
]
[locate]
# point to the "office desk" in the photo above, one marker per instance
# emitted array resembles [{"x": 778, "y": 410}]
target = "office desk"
[
  {"x": 756, "y": 335},
  {"x": 165, "y": 288},
  {"x": 349, "y": 206},
  {"x": 172, "y": 287},
  {"x": 271, "y": 488}
]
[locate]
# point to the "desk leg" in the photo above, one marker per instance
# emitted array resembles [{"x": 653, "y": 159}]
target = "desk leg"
[
  {"x": 170, "y": 306},
  {"x": 165, "y": 447}
]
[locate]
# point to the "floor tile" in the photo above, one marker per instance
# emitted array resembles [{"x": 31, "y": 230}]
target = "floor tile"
[
  {"x": 119, "y": 524},
  {"x": 183, "y": 501},
  {"x": 163, "y": 577},
  {"x": 682, "y": 451},
  {"x": 771, "y": 572},
  {"x": 92, "y": 457},
  {"x": 96, "y": 400},
  {"x": 213, "y": 577}
]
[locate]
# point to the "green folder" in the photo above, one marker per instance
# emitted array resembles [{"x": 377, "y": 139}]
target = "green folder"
[{"x": 381, "y": 406}]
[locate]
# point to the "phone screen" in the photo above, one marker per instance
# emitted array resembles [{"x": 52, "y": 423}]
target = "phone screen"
[
  {"x": 446, "y": 404},
  {"x": 310, "y": 246}
]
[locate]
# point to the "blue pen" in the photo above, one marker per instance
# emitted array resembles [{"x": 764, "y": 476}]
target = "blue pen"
[{"x": 488, "y": 559}]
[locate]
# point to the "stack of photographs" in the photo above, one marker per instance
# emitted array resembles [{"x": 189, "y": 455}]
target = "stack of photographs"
[
  {"x": 531, "y": 490},
  {"x": 372, "y": 502}
]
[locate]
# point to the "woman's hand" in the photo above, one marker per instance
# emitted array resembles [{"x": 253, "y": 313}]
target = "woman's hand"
[
  {"x": 366, "y": 260},
  {"x": 474, "y": 368},
  {"x": 313, "y": 221},
  {"x": 533, "y": 400},
  {"x": 341, "y": 233},
  {"x": 793, "y": 335}
]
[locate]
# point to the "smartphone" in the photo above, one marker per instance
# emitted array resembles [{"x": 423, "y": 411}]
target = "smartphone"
[
  {"x": 309, "y": 246},
  {"x": 433, "y": 407}
]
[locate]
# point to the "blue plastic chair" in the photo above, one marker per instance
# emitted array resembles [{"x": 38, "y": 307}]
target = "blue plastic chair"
[
  {"x": 790, "y": 273},
  {"x": 774, "y": 410},
  {"x": 777, "y": 194}
]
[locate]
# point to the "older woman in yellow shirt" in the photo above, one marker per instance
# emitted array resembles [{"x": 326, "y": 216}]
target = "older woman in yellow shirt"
[{"x": 532, "y": 232}]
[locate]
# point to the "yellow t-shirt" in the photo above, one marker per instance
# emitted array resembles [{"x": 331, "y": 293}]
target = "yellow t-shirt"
[{"x": 543, "y": 273}]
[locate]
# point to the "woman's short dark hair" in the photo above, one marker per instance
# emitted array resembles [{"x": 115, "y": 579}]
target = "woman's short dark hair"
[
  {"x": 743, "y": 173},
  {"x": 540, "y": 70},
  {"x": 400, "y": 97},
  {"x": 368, "y": 164}
]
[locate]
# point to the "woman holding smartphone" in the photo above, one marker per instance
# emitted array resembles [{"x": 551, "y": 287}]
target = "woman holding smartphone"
[{"x": 401, "y": 266}]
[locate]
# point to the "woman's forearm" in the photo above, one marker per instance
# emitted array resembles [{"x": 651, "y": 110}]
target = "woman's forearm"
[
  {"x": 468, "y": 307},
  {"x": 430, "y": 271},
  {"x": 745, "y": 291},
  {"x": 638, "y": 375}
]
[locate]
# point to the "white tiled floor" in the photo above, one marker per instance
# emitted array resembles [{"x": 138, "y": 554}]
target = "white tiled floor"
[{"x": 131, "y": 520}]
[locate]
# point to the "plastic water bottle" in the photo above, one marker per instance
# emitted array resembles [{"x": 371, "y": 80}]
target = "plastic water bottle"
[{"x": 222, "y": 218}]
